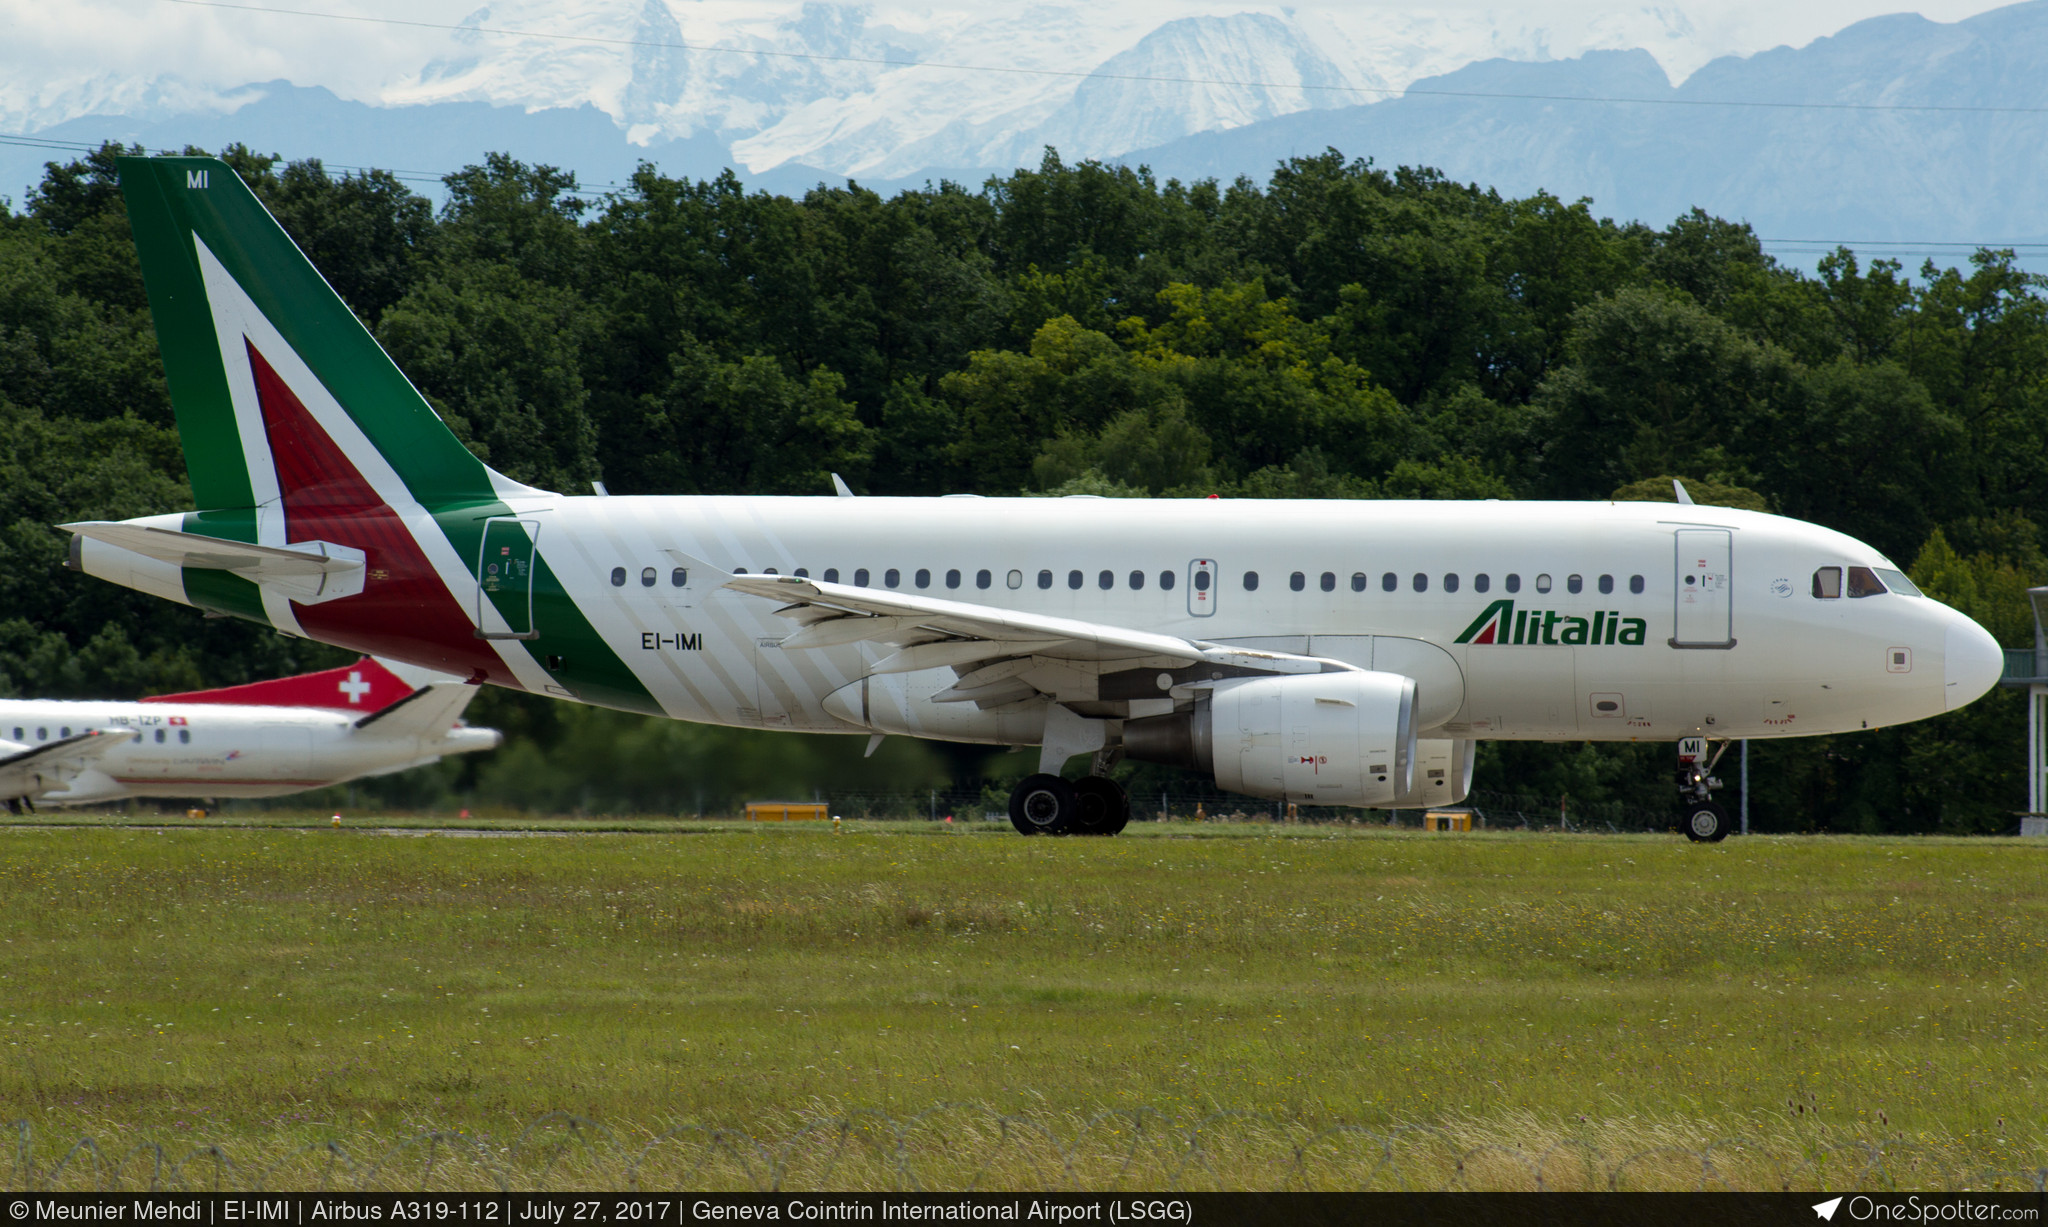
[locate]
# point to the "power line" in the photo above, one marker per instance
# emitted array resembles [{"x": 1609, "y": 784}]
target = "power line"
[{"x": 1108, "y": 76}]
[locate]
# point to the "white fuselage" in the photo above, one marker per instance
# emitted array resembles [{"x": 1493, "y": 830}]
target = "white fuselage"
[
  {"x": 1627, "y": 629},
  {"x": 216, "y": 750}
]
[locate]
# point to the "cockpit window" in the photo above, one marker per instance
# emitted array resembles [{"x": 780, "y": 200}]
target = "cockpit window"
[
  {"x": 1827, "y": 583},
  {"x": 1897, "y": 582},
  {"x": 1864, "y": 582}
]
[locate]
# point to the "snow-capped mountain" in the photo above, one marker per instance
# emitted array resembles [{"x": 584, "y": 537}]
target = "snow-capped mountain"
[{"x": 879, "y": 90}]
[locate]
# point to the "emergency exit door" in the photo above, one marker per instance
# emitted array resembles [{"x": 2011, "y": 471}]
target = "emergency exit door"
[
  {"x": 504, "y": 577},
  {"x": 1202, "y": 587},
  {"x": 1705, "y": 599}
]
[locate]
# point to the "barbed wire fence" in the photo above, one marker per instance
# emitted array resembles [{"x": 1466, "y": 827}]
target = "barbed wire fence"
[{"x": 972, "y": 1147}]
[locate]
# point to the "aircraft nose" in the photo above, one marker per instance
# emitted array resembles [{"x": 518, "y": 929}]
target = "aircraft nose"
[{"x": 1972, "y": 662}]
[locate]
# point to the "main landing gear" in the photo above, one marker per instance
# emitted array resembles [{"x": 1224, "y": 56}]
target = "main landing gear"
[
  {"x": 1048, "y": 805},
  {"x": 1699, "y": 815}
]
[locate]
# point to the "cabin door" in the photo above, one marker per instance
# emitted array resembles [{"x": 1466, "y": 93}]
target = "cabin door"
[
  {"x": 1705, "y": 617},
  {"x": 504, "y": 578}
]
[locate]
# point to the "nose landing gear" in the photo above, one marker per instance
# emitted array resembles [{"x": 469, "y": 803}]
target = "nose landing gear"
[{"x": 1700, "y": 816}]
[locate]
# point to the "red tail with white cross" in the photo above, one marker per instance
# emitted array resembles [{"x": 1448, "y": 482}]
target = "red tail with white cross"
[{"x": 360, "y": 688}]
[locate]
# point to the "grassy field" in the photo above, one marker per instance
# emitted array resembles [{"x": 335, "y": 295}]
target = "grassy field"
[{"x": 1259, "y": 1006}]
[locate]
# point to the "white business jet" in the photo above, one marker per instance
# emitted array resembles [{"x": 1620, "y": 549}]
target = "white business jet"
[
  {"x": 1333, "y": 653},
  {"x": 265, "y": 739}
]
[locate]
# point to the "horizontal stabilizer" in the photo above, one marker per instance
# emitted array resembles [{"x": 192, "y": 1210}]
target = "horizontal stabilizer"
[
  {"x": 428, "y": 712},
  {"x": 307, "y": 571},
  {"x": 363, "y": 687}
]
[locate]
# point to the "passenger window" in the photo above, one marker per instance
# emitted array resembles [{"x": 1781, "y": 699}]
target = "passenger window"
[
  {"x": 1073, "y": 579},
  {"x": 1045, "y": 579},
  {"x": 1329, "y": 581},
  {"x": 1451, "y": 582},
  {"x": 831, "y": 575},
  {"x": 1106, "y": 580},
  {"x": 983, "y": 579},
  {"x": 159, "y": 737},
  {"x": 1606, "y": 584},
  {"x": 1481, "y": 582},
  {"x": 1137, "y": 580},
  {"x": 1297, "y": 581},
  {"x": 1635, "y": 584},
  {"x": 1014, "y": 579},
  {"x": 1201, "y": 581},
  {"x": 1166, "y": 581},
  {"x": 618, "y": 577},
  {"x": 44, "y": 734},
  {"x": 1358, "y": 581},
  {"x": 18, "y": 735},
  {"x": 1543, "y": 583},
  {"x": 1514, "y": 582},
  {"x": 1827, "y": 583},
  {"x": 802, "y": 573},
  {"x": 1421, "y": 582},
  {"x": 924, "y": 577},
  {"x": 1864, "y": 582},
  {"x": 770, "y": 571},
  {"x": 65, "y": 731},
  {"x": 739, "y": 570},
  {"x": 892, "y": 577},
  {"x": 1390, "y": 582},
  {"x": 137, "y": 739},
  {"x": 1573, "y": 584},
  {"x": 953, "y": 578},
  {"x": 860, "y": 577},
  {"x": 1251, "y": 581},
  {"x": 184, "y": 736},
  {"x": 647, "y": 577}
]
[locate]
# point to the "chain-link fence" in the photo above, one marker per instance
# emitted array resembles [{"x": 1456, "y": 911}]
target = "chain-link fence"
[{"x": 1490, "y": 810}]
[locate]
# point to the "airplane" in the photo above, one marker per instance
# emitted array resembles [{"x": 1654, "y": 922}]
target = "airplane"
[
  {"x": 1322, "y": 652},
  {"x": 264, "y": 739}
]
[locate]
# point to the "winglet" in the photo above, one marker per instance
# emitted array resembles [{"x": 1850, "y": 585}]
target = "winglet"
[
  {"x": 840, "y": 488},
  {"x": 1678, "y": 488}
]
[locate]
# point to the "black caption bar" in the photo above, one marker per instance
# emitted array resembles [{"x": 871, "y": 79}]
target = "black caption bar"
[{"x": 1025, "y": 1209}]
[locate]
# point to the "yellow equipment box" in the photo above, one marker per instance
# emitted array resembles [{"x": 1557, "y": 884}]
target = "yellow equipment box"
[
  {"x": 786, "y": 811},
  {"x": 1447, "y": 820}
]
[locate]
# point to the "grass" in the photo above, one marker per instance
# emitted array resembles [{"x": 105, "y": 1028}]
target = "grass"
[{"x": 1265, "y": 1006}]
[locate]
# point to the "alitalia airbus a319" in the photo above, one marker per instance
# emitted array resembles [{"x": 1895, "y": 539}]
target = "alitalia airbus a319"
[{"x": 1335, "y": 653}]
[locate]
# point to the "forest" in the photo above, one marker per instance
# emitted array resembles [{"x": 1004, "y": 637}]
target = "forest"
[{"x": 1341, "y": 330}]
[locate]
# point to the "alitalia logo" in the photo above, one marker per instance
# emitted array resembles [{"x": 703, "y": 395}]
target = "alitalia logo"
[{"x": 1502, "y": 623}]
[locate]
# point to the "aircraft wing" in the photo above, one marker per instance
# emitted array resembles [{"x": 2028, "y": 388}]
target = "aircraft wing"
[
  {"x": 1003, "y": 655},
  {"x": 51, "y": 766}
]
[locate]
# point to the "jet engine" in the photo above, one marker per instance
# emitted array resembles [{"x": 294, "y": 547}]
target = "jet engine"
[{"x": 1317, "y": 738}]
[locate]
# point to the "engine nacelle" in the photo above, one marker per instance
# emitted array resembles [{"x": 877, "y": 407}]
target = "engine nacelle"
[
  {"x": 1318, "y": 738},
  {"x": 1443, "y": 774}
]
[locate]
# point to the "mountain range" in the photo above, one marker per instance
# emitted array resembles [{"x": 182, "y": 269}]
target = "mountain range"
[{"x": 1893, "y": 130}]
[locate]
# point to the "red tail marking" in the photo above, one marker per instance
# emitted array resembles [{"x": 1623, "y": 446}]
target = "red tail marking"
[
  {"x": 406, "y": 611},
  {"x": 362, "y": 688}
]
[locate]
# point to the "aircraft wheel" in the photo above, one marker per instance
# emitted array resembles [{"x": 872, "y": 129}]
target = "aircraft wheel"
[
  {"x": 1105, "y": 806},
  {"x": 1044, "y": 805},
  {"x": 1704, "y": 822}
]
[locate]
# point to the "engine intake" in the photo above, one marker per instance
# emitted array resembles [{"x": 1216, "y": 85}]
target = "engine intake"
[{"x": 1320, "y": 738}]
